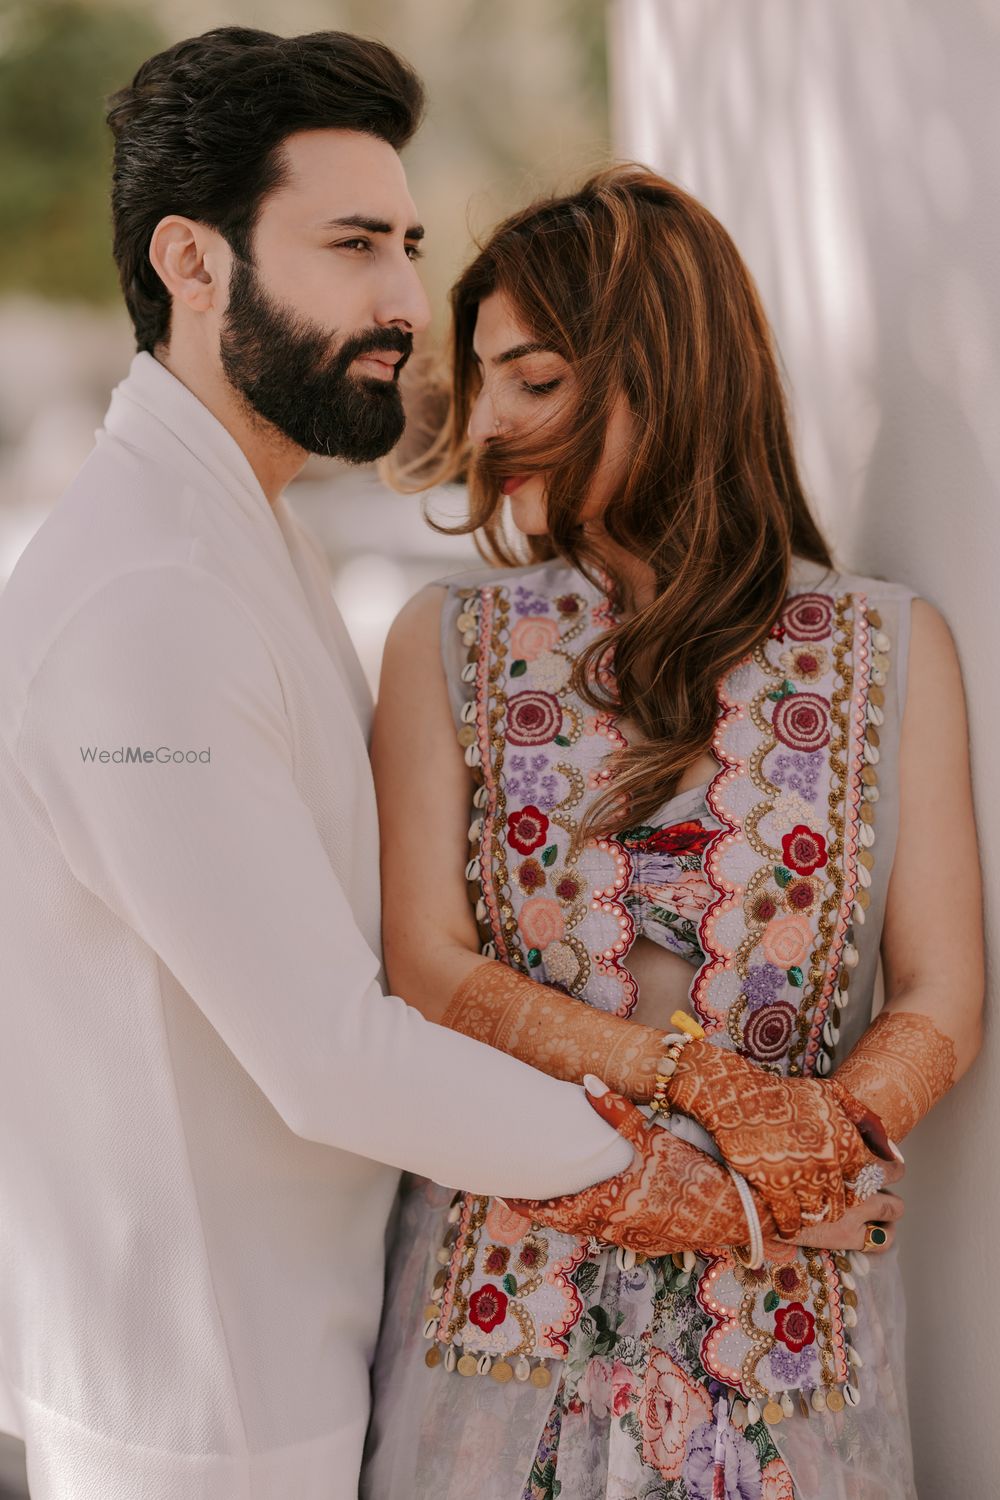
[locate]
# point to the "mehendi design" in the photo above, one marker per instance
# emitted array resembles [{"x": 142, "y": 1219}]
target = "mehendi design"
[
  {"x": 902, "y": 1065},
  {"x": 674, "y": 1198},
  {"x": 553, "y": 1032},
  {"x": 790, "y": 1137}
]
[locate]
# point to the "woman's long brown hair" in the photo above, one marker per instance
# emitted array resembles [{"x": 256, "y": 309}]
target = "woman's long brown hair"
[{"x": 644, "y": 293}]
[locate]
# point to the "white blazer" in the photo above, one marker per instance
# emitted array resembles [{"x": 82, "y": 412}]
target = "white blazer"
[{"x": 205, "y": 1095}]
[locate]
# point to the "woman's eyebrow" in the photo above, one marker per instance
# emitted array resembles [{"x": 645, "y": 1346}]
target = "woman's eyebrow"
[{"x": 517, "y": 352}]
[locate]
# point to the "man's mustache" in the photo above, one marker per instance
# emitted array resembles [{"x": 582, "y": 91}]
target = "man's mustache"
[{"x": 376, "y": 340}]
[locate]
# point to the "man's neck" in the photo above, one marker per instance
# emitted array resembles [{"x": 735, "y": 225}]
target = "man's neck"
[{"x": 274, "y": 459}]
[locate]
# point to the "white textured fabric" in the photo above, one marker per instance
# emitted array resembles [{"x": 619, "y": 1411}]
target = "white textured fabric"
[{"x": 200, "y": 1073}]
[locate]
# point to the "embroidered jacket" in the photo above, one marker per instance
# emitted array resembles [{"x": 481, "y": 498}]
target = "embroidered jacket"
[{"x": 793, "y": 855}]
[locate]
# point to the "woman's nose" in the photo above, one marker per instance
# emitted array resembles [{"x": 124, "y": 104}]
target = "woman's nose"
[{"x": 484, "y": 421}]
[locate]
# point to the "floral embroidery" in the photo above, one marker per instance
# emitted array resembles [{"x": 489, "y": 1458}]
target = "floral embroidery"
[
  {"x": 804, "y": 851},
  {"x": 805, "y": 663},
  {"x": 533, "y": 718},
  {"x": 802, "y": 721},
  {"x": 795, "y": 1326},
  {"x": 768, "y": 1031},
  {"x": 763, "y": 983},
  {"x": 534, "y": 1249},
  {"x": 530, "y": 875},
  {"x": 679, "y": 838},
  {"x": 526, "y": 829},
  {"x": 802, "y": 894},
  {"x": 798, "y": 771},
  {"x": 495, "y": 1259},
  {"x": 787, "y": 941},
  {"x": 504, "y": 1225},
  {"x": 532, "y": 635},
  {"x": 542, "y": 921},
  {"x": 552, "y": 672},
  {"x": 487, "y": 1307},
  {"x": 808, "y": 617},
  {"x": 790, "y": 1280}
]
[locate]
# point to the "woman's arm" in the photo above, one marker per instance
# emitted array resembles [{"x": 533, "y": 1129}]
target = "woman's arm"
[
  {"x": 429, "y": 931},
  {"x": 932, "y": 940}
]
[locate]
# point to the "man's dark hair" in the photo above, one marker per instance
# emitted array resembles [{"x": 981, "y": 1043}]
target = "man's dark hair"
[{"x": 199, "y": 132}]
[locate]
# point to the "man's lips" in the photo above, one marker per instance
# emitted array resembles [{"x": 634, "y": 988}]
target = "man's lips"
[
  {"x": 383, "y": 363},
  {"x": 514, "y": 483}
]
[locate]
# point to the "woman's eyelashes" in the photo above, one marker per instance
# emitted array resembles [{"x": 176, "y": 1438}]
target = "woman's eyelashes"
[{"x": 544, "y": 388}]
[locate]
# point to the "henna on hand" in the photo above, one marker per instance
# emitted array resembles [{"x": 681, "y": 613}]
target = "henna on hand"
[
  {"x": 553, "y": 1032},
  {"x": 901, "y": 1067},
  {"x": 791, "y": 1138},
  {"x": 674, "y": 1197}
]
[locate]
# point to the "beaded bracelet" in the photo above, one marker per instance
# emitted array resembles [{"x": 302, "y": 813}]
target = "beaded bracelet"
[
  {"x": 688, "y": 1031},
  {"x": 751, "y": 1255}
]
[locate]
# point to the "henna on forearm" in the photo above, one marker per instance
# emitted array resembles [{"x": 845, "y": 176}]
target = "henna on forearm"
[
  {"x": 555, "y": 1033},
  {"x": 902, "y": 1065}
]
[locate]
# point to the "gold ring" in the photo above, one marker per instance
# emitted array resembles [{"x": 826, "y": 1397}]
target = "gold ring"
[{"x": 875, "y": 1236}]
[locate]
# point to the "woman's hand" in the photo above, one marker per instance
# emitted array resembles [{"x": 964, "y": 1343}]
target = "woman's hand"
[{"x": 848, "y": 1232}]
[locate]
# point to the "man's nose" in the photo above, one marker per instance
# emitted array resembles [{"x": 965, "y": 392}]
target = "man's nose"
[{"x": 406, "y": 303}]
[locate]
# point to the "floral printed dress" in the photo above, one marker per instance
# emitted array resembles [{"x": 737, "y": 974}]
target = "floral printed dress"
[{"x": 635, "y": 1406}]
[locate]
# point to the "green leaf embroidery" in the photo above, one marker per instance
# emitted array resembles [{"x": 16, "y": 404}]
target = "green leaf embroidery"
[
  {"x": 782, "y": 876},
  {"x": 549, "y": 854},
  {"x": 562, "y": 740},
  {"x": 534, "y": 958},
  {"x": 518, "y": 668},
  {"x": 510, "y": 1285},
  {"x": 771, "y": 1301},
  {"x": 795, "y": 976}
]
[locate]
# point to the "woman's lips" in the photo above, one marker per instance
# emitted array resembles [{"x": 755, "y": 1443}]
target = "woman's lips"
[{"x": 514, "y": 483}]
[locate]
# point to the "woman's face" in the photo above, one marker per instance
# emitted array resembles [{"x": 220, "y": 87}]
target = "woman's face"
[{"x": 526, "y": 387}]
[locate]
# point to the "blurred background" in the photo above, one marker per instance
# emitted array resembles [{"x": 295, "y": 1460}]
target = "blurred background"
[{"x": 849, "y": 147}]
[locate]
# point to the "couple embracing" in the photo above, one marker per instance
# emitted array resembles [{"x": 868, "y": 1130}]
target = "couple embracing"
[{"x": 546, "y": 1034}]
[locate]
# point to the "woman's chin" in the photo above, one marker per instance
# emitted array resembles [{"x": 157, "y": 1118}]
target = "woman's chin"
[{"x": 527, "y": 512}]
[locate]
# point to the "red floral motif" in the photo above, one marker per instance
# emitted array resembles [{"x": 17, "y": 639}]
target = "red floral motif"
[
  {"x": 534, "y": 1249},
  {"x": 790, "y": 1280},
  {"x": 795, "y": 1326},
  {"x": 526, "y": 829},
  {"x": 802, "y": 721},
  {"x": 569, "y": 888},
  {"x": 488, "y": 1307},
  {"x": 803, "y": 850},
  {"x": 495, "y": 1260},
  {"x": 679, "y": 838},
  {"x": 808, "y": 617},
  {"x": 768, "y": 1031},
  {"x": 533, "y": 718},
  {"x": 566, "y": 604},
  {"x": 762, "y": 908},
  {"x": 800, "y": 895}
]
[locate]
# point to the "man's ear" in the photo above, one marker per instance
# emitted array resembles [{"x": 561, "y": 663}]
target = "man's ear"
[{"x": 192, "y": 261}]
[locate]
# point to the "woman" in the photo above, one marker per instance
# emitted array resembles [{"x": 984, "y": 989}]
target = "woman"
[{"x": 693, "y": 790}]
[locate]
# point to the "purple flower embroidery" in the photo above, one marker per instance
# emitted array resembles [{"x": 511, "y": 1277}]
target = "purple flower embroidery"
[
  {"x": 797, "y": 771},
  {"x": 793, "y": 1368},
  {"x": 763, "y": 985},
  {"x": 740, "y": 1466},
  {"x": 527, "y": 603}
]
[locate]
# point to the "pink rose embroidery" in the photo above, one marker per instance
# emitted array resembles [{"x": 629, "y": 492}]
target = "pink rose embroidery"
[
  {"x": 541, "y": 922},
  {"x": 787, "y": 941},
  {"x": 504, "y": 1225},
  {"x": 531, "y": 636}
]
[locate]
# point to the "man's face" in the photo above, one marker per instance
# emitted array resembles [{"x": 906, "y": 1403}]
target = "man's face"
[{"x": 317, "y": 329}]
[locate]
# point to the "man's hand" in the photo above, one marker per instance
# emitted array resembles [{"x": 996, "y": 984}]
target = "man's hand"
[
  {"x": 799, "y": 1142},
  {"x": 674, "y": 1197}
]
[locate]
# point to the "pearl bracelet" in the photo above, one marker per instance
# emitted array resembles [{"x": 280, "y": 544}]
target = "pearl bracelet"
[{"x": 752, "y": 1256}]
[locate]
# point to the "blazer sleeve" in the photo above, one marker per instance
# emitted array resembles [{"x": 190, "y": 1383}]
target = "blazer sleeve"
[{"x": 219, "y": 868}]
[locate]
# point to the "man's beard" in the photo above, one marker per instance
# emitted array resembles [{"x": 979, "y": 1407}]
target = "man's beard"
[{"x": 283, "y": 368}]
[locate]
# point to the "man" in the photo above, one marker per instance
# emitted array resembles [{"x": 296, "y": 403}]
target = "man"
[{"x": 201, "y": 1081}]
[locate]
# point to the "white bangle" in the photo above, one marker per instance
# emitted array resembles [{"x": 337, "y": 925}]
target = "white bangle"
[{"x": 756, "y": 1242}]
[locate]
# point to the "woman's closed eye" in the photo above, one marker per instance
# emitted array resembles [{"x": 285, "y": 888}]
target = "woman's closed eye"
[{"x": 544, "y": 388}]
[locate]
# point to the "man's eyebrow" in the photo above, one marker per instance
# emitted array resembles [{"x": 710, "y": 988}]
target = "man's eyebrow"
[
  {"x": 373, "y": 226},
  {"x": 517, "y": 352}
]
